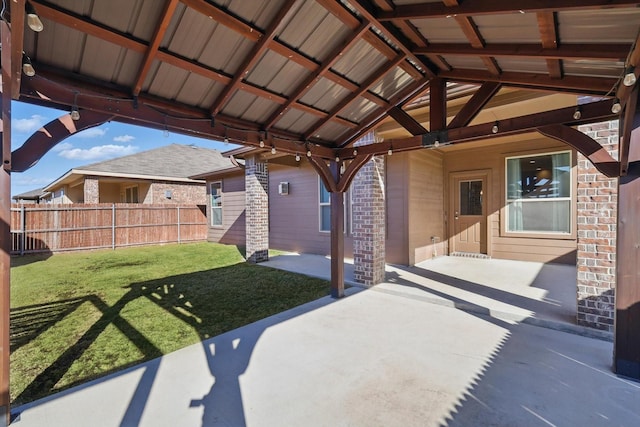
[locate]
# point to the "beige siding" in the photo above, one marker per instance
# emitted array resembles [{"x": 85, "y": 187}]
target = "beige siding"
[
  {"x": 232, "y": 231},
  {"x": 397, "y": 246},
  {"x": 425, "y": 205},
  {"x": 110, "y": 192},
  {"x": 501, "y": 245},
  {"x": 294, "y": 219}
]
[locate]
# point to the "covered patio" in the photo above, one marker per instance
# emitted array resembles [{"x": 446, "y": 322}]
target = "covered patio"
[{"x": 308, "y": 79}]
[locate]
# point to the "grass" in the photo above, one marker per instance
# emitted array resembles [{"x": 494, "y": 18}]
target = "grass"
[{"x": 77, "y": 317}]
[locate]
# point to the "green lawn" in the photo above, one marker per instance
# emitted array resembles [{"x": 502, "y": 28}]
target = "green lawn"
[{"x": 76, "y": 317}]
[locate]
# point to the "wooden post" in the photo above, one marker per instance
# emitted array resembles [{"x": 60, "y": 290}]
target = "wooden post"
[
  {"x": 337, "y": 236},
  {"x": 627, "y": 322},
  {"x": 5, "y": 225}
]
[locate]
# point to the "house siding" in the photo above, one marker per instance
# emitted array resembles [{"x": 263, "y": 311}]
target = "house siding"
[
  {"x": 232, "y": 231},
  {"x": 397, "y": 246},
  {"x": 294, "y": 218},
  {"x": 492, "y": 158}
]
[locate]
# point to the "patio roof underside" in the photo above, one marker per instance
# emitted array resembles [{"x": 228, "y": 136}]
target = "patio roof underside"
[{"x": 303, "y": 75}]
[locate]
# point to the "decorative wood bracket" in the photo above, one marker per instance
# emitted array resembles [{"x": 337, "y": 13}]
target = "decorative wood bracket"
[
  {"x": 343, "y": 183},
  {"x": 51, "y": 134},
  {"x": 596, "y": 154}
]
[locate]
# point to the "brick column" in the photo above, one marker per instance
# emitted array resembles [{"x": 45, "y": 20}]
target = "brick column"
[
  {"x": 91, "y": 190},
  {"x": 369, "y": 219},
  {"x": 257, "y": 209},
  {"x": 596, "y": 216}
]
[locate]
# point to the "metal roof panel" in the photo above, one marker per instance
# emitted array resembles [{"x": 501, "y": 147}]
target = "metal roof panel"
[
  {"x": 525, "y": 65},
  {"x": 277, "y": 74},
  {"x": 608, "y": 25},
  {"x": 391, "y": 83},
  {"x": 359, "y": 62},
  {"x": 325, "y": 94},
  {"x": 509, "y": 28},
  {"x": 440, "y": 30}
]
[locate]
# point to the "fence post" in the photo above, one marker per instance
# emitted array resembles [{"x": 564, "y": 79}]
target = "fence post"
[
  {"x": 23, "y": 230},
  {"x": 178, "y": 223},
  {"x": 113, "y": 226}
]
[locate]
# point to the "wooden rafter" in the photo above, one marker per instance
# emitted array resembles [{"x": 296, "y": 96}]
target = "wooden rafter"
[
  {"x": 84, "y": 25},
  {"x": 152, "y": 50},
  {"x": 477, "y": 102},
  {"x": 353, "y": 96},
  {"x": 548, "y": 26},
  {"x": 470, "y": 30},
  {"x": 478, "y": 8},
  {"x": 321, "y": 71},
  {"x": 253, "y": 57},
  {"x": 399, "y": 100},
  {"x": 569, "y": 84},
  {"x": 406, "y": 121},
  {"x": 437, "y": 104},
  {"x": 602, "y": 51}
]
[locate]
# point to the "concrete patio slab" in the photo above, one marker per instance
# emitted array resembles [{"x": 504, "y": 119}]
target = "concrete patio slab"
[{"x": 369, "y": 359}]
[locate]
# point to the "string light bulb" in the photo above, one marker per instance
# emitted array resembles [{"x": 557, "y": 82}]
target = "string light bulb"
[
  {"x": 495, "y": 128},
  {"x": 33, "y": 20},
  {"x": 27, "y": 67},
  {"x": 297, "y": 157},
  {"x": 337, "y": 159},
  {"x": 616, "y": 107},
  {"x": 273, "y": 150},
  {"x": 629, "y": 76},
  {"x": 577, "y": 114},
  {"x": 75, "y": 114},
  {"x": 308, "y": 153},
  {"x": 355, "y": 152}
]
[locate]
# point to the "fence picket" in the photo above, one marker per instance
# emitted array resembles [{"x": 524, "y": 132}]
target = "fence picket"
[{"x": 54, "y": 228}]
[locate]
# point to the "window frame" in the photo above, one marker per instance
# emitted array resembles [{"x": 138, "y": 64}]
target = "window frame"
[
  {"x": 212, "y": 207},
  {"x": 559, "y": 235},
  {"x": 328, "y": 204},
  {"x": 129, "y": 188}
]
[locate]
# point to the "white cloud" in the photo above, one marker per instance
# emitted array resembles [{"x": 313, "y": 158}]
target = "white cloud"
[
  {"x": 100, "y": 152},
  {"x": 63, "y": 146},
  {"x": 32, "y": 181},
  {"x": 92, "y": 133},
  {"x": 124, "y": 138},
  {"x": 28, "y": 125}
]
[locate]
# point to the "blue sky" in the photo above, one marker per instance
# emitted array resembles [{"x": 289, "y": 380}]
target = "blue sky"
[{"x": 90, "y": 146}]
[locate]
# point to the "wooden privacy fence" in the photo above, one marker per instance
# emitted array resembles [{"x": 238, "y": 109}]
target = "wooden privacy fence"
[{"x": 51, "y": 228}]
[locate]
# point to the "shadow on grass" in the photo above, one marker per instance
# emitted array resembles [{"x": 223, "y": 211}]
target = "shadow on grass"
[{"x": 208, "y": 302}]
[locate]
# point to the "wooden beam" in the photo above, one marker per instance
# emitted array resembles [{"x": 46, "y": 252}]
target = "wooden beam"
[
  {"x": 477, "y": 102},
  {"x": 627, "y": 320},
  {"x": 253, "y": 57},
  {"x": 494, "y": 7},
  {"x": 437, "y": 104},
  {"x": 45, "y": 138},
  {"x": 592, "y": 112},
  {"x": 627, "y": 126},
  {"x": 596, "y": 153},
  {"x": 337, "y": 236},
  {"x": 406, "y": 121},
  {"x": 351, "y": 171},
  {"x": 569, "y": 84},
  {"x": 17, "y": 44},
  {"x": 600, "y": 51},
  {"x": 5, "y": 225},
  {"x": 217, "y": 14},
  {"x": 152, "y": 50},
  {"x": 548, "y": 27}
]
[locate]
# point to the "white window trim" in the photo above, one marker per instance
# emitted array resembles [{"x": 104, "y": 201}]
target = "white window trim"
[
  {"x": 129, "y": 187},
  {"x": 211, "y": 207},
  {"x": 527, "y": 233}
]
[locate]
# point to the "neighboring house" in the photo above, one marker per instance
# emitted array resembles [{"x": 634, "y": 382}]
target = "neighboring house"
[
  {"x": 33, "y": 196},
  {"x": 156, "y": 176}
]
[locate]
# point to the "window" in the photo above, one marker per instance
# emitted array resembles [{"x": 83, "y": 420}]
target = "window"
[
  {"x": 325, "y": 208},
  {"x": 539, "y": 193},
  {"x": 216, "y": 203},
  {"x": 131, "y": 194}
]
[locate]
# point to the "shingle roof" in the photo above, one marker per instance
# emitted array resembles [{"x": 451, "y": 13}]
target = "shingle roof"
[
  {"x": 30, "y": 195},
  {"x": 171, "y": 161}
]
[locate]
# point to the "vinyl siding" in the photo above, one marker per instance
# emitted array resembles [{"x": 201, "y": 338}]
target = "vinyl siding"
[{"x": 232, "y": 231}]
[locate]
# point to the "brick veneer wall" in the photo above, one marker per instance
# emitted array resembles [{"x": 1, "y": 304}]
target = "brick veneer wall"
[
  {"x": 257, "y": 209},
  {"x": 596, "y": 217},
  {"x": 91, "y": 189},
  {"x": 182, "y": 193},
  {"x": 369, "y": 219}
]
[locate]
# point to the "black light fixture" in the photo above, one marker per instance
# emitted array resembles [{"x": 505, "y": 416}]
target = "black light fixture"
[
  {"x": 33, "y": 20},
  {"x": 616, "y": 107},
  {"x": 27, "y": 67},
  {"x": 75, "y": 114},
  {"x": 629, "y": 76}
]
